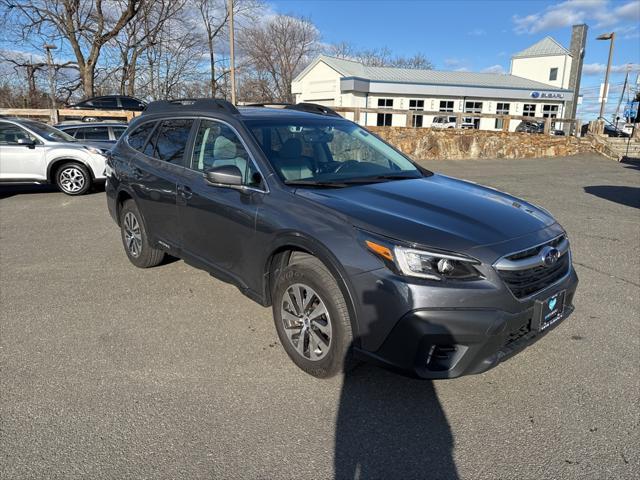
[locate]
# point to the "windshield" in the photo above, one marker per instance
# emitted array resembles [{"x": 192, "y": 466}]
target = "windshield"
[
  {"x": 329, "y": 152},
  {"x": 49, "y": 133}
]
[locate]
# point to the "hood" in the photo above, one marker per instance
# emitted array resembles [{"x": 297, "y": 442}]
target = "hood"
[{"x": 436, "y": 211}]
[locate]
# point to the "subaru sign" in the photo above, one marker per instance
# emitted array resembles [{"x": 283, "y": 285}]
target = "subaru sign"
[{"x": 550, "y": 96}]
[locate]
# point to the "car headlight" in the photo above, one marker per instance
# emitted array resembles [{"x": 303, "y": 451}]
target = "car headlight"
[
  {"x": 96, "y": 150},
  {"x": 426, "y": 264}
]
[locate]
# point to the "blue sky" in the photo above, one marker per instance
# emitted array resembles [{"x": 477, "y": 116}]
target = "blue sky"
[{"x": 481, "y": 34}]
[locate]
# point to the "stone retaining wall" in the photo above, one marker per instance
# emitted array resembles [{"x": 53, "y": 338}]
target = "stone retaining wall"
[{"x": 456, "y": 144}]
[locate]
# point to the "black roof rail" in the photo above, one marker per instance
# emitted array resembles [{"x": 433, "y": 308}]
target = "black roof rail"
[
  {"x": 190, "y": 104},
  {"x": 267, "y": 104},
  {"x": 313, "y": 108},
  {"x": 302, "y": 107}
]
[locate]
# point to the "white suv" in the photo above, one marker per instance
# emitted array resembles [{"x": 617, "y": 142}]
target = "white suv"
[{"x": 34, "y": 152}]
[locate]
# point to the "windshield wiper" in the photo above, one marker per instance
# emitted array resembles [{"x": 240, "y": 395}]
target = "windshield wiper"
[
  {"x": 379, "y": 178},
  {"x": 313, "y": 183}
]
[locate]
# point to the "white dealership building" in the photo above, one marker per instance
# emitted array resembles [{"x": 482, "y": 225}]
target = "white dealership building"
[{"x": 539, "y": 84}]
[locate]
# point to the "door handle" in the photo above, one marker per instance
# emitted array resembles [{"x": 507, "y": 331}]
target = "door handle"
[{"x": 185, "y": 192}]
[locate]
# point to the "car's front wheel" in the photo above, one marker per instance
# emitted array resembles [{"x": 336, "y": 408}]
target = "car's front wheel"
[
  {"x": 73, "y": 178},
  {"x": 312, "y": 319},
  {"x": 135, "y": 238}
]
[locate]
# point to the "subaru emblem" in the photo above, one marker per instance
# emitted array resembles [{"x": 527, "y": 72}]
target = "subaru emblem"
[
  {"x": 535, "y": 94},
  {"x": 550, "y": 255}
]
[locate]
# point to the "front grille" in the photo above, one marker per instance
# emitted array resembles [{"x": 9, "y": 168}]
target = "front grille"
[
  {"x": 523, "y": 283},
  {"x": 536, "y": 250}
]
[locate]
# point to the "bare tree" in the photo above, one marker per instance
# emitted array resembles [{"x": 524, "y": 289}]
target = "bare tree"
[
  {"x": 87, "y": 26},
  {"x": 379, "y": 57},
  {"x": 214, "y": 17},
  {"x": 140, "y": 34},
  {"x": 28, "y": 67},
  {"x": 280, "y": 48}
]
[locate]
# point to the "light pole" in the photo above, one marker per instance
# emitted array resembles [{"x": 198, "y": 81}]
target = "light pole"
[
  {"x": 52, "y": 88},
  {"x": 232, "y": 54},
  {"x": 606, "y": 36}
]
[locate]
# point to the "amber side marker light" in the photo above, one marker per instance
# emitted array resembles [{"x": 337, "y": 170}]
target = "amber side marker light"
[{"x": 380, "y": 250}]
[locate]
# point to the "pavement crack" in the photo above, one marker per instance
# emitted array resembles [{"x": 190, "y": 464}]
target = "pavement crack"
[{"x": 608, "y": 274}]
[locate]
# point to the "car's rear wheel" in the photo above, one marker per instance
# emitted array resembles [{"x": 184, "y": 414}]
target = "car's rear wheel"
[
  {"x": 135, "y": 239},
  {"x": 312, "y": 319},
  {"x": 73, "y": 178}
]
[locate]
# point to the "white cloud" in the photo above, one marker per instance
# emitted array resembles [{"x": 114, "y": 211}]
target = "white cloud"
[
  {"x": 493, "y": 69},
  {"x": 602, "y": 13},
  {"x": 600, "y": 68}
]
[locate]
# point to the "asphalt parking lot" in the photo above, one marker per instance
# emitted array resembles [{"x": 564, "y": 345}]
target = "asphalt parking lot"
[{"x": 108, "y": 371}]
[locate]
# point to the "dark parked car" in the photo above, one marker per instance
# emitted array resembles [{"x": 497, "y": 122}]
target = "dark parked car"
[
  {"x": 104, "y": 134},
  {"x": 111, "y": 102},
  {"x": 527, "y": 126},
  {"x": 108, "y": 102},
  {"x": 360, "y": 252}
]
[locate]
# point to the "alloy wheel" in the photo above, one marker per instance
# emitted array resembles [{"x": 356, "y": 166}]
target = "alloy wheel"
[
  {"x": 132, "y": 234},
  {"x": 72, "y": 179},
  {"x": 306, "y": 321}
]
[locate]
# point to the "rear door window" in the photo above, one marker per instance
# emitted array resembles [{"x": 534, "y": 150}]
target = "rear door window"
[
  {"x": 169, "y": 141},
  {"x": 105, "y": 102},
  {"x": 138, "y": 138},
  {"x": 93, "y": 133},
  {"x": 130, "y": 103}
]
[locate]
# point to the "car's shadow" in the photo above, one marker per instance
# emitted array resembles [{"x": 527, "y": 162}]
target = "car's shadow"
[
  {"x": 389, "y": 426},
  {"x": 629, "y": 196},
  {"x": 7, "y": 191}
]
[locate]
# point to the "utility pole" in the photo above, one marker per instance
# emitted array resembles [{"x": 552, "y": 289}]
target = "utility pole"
[
  {"x": 232, "y": 53},
  {"x": 606, "y": 36},
  {"x": 52, "y": 87}
]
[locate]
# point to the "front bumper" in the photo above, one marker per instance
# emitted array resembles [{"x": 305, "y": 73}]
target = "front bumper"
[{"x": 451, "y": 342}]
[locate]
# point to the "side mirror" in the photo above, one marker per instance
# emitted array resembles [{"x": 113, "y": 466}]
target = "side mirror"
[
  {"x": 225, "y": 175},
  {"x": 27, "y": 142}
]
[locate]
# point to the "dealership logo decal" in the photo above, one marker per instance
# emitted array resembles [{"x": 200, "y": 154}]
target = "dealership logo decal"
[{"x": 547, "y": 95}]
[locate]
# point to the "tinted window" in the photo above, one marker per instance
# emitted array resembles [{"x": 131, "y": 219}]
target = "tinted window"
[
  {"x": 93, "y": 133},
  {"x": 105, "y": 102},
  {"x": 139, "y": 136},
  {"x": 169, "y": 141},
  {"x": 10, "y": 134},
  {"x": 217, "y": 145},
  {"x": 70, "y": 131},
  {"x": 130, "y": 102},
  {"x": 118, "y": 131}
]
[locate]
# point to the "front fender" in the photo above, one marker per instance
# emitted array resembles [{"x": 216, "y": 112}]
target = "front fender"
[{"x": 293, "y": 240}]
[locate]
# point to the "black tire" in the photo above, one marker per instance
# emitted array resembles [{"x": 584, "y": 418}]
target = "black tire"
[
  {"x": 73, "y": 178},
  {"x": 132, "y": 225},
  {"x": 312, "y": 273}
]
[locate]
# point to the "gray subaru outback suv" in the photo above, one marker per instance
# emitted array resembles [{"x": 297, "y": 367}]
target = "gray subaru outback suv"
[{"x": 360, "y": 252}]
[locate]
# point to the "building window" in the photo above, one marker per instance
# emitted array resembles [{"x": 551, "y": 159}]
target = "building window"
[
  {"x": 550, "y": 111},
  {"x": 553, "y": 74},
  {"x": 384, "y": 119},
  {"x": 501, "y": 109},
  {"x": 446, "y": 105},
  {"x": 529, "y": 110},
  {"x": 417, "y": 105},
  {"x": 472, "y": 107}
]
